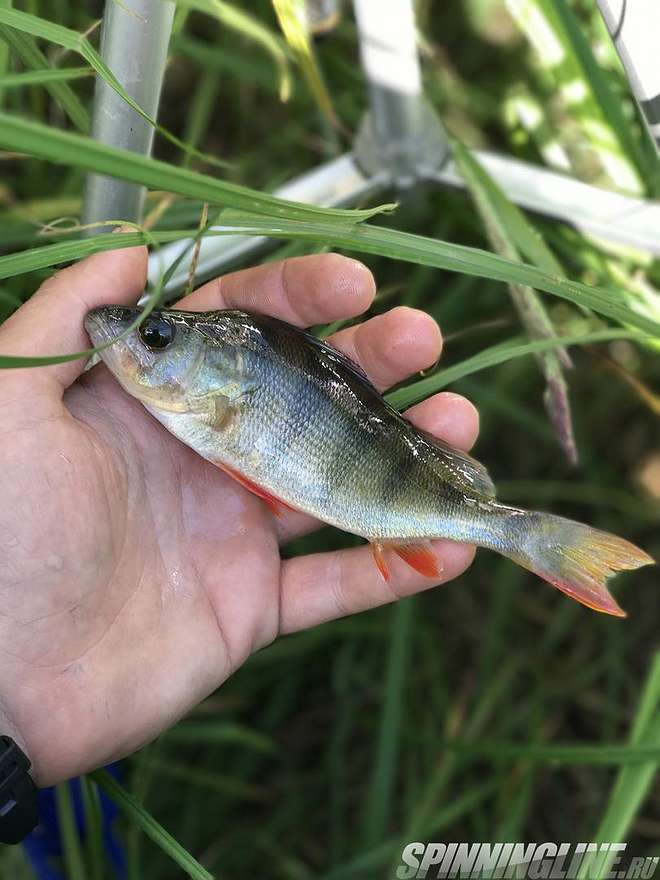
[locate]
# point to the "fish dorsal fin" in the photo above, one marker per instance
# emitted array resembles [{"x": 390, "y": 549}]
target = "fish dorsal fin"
[
  {"x": 467, "y": 471},
  {"x": 334, "y": 355},
  {"x": 214, "y": 331}
]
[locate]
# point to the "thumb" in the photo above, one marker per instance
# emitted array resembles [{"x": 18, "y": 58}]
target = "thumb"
[{"x": 51, "y": 321}]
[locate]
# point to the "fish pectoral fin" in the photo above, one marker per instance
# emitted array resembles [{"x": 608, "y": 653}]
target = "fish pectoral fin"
[
  {"x": 419, "y": 555},
  {"x": 275, "y": 505}
]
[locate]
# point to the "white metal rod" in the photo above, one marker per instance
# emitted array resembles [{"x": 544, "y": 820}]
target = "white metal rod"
[
  {"x": 388, "y": 45},
  {"x": 611, "y": 216},
  {"x": 134, "y": 43},
  {"x": 401, "y": 133},
  {"x": 333, "y": 185},
  {"x": 607, "y": 215},
  {"x": 634, "y": 26}
]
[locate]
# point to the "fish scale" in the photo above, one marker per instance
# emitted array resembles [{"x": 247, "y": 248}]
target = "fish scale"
[{"x": 298, "y": 423}]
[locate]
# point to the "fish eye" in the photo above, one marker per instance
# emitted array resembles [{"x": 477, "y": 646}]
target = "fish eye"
[{"x": 156, "y": 333}]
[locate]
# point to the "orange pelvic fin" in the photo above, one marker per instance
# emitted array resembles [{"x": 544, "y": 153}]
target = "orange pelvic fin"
[
  {"x": 275, "y": 505},
  {"x": 378, "y": 551},
  {"x": 419, "y": 556}
]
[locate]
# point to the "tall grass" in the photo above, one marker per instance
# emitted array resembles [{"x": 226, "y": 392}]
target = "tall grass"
[{"x": 489, "y": 709}]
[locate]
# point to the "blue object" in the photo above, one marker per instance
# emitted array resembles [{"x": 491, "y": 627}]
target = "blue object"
[{"x": 44, "y": 847}]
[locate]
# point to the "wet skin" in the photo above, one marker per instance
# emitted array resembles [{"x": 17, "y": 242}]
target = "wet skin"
[{"x": 122, "y": 549}]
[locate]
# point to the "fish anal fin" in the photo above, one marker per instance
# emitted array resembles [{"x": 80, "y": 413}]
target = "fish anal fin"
[
  {"x": 274, "y": 504},
  {"x": 421, "y": 557},
  {"x": 418, "y": 555}
]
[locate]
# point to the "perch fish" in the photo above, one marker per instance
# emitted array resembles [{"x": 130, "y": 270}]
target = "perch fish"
[{"x": 298, "y": 423}]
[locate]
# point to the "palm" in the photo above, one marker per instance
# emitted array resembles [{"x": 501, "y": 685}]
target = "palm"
[
  {"x": 136, "y": 576},
  {"x": 149, "y": 553}
]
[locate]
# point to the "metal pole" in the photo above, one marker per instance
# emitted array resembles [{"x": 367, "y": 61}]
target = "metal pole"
[
  {"x": 634, "y": 26},
  {"x": 401, "y": 132},
  {"x": 402, "y": 142},
  {"x": 134, "y": 44}
]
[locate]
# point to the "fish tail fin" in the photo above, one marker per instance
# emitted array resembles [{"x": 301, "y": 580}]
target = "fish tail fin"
[{"x": 573, "y": 557}]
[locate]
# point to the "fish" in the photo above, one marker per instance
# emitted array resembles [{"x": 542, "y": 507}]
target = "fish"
[{"x": 299, "y": 424}]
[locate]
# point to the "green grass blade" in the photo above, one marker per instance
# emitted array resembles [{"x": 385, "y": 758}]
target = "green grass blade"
[
  {"x": 633, "y": 782},
  {"x": 43, "y": 77},
  {"x": 4, "y": 54},
  {"x": 135, "y": 813},
  {"x": 67, "y": 148},
  {"x": 503, "y": 229},
  {"x": 363, "y": 238},
  {"x": 93, "y": 827},
  {"x": 367, "y": 863},
  {"x": 201, "y": 111},
  {"x": 520, "y": 229},
  {"x": 217, "y": 733},
  {"x": 606, "y": 754},
  {"x": 248, "y": 26},
  {"x": 73, "y": 854},
  {"x": 32, "y": 57},
  {"x": 226, "y": 60},
  {"x": 381, "y": 789},
  {"x": 645, "y": 159},
  {"x": 424, "y": 251},
  {"x": 393, "y": 244},
  {"x": 491, "y": 357},
  {"x": 27, "y": 24},
  {"x": 291, "y": 15}
]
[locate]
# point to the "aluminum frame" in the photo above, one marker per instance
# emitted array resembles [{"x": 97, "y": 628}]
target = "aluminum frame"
[
  {"x": 401, "y": 141},
  {"x": 634, "y": 28},
  {"x": 134, "y": 42}
]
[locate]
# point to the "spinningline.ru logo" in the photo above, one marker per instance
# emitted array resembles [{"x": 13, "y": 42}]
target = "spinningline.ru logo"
[{"x": 524, "y": 861}]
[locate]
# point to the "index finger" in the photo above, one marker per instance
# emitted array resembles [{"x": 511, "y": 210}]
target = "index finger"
[{"x": 314, "y": 289}]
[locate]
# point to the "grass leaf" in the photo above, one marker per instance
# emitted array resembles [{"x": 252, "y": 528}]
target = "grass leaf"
[
  {"x": 291, "y": 15},
  {"x": 504, "y": 224},
  {"x": 497, "y": 354},
  {"x": 246, "y": 25},
  {"x": 26, "y": 48},
  {"x": 633, "y": 782},
  {"x": 381, "y": 789},
  {"x": 136, "y": 813},
  {"x": 68, "y": 148},
  {"x": 44, "y": 77},
  {"x": 362, "y": 238},
  {"x": 66, "y": 817},
  {"x": 71, "y": 40}
]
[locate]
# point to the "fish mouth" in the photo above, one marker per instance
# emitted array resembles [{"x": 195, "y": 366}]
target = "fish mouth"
[{"x": 107, "y": 322}]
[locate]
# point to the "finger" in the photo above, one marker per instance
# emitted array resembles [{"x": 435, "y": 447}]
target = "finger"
[
  {"x": 301, "y": 290},
  {"x": 392, "y": 346},
  {"x": 445, "y": 415},
  {"x": 51, "y": 321},
  {"x": 449, "y": 416},
  {"x": 325, "y": 586}
]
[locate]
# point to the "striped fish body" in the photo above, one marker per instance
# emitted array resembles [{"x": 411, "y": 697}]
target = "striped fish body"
[{"x": 298, "y": 422}]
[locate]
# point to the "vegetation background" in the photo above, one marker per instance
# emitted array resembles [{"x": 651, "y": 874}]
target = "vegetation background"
[{"x": 492, "y": 708}]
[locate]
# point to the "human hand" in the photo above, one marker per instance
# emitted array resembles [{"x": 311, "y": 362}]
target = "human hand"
[{"x": 135, "y": 577}]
